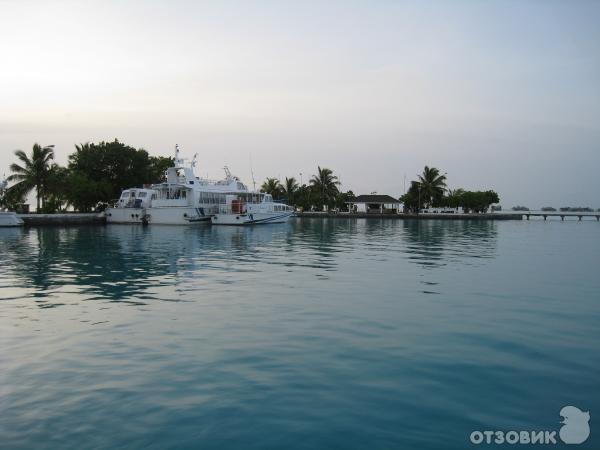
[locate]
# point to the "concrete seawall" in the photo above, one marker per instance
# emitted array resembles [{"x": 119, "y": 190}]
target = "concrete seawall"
[
  {"x": 63, "y": 219},
  {"x": 429, "y": 216}
]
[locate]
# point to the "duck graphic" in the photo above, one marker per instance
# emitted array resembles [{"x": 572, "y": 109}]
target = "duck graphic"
[{"x": 576, "y": 428}]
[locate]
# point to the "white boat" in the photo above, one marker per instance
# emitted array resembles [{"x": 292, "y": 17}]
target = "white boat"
[
  {"x": 8, "y": 218},
  {"x": 131, "y": 207},
  {"x": 181, "y": 199},
  {"x": 252, "y": 208}
]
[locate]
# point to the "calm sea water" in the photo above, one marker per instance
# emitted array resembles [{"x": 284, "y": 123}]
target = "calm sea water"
[{"x": 316, "y": 334}]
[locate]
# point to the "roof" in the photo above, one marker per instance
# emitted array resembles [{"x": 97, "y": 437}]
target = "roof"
[{"x": 385, "y": 199}]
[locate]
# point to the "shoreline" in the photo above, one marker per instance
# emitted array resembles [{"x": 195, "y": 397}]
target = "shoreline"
[{"x": 67, "y": 219}]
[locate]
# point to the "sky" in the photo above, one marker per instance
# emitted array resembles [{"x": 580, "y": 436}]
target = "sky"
[{"x": 501, "y": 95}]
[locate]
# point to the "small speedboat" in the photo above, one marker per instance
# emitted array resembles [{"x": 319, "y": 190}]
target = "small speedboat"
[
  {"x": 252, "y": 208},
  {"x": 9, "y": 219}
]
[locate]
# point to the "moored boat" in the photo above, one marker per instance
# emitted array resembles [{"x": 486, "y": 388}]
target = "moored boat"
[
  {"x": 252, "y": 208},
  {"x": 181, "y": 199}
]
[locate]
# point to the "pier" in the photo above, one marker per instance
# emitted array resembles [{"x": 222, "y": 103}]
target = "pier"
[
  {"x": 410, "y": 216},
  {"x": 562, "y": 216}
]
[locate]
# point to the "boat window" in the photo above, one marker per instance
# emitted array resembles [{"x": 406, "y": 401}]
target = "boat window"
[{"x": 142, "y": 194}]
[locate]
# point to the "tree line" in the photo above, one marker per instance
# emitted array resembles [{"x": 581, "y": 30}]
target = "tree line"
[
  {"x": 430, "y": 191},
  {"x": 95, "y": 174},
  {"x": 322, "y": 190}
]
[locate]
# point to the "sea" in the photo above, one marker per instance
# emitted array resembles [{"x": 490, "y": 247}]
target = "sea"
[{"x": 320, "y": 333}]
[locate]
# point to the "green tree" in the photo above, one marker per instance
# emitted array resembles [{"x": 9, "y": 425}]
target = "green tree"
[
  {"x": 84, "y": 193},
  {"x": 411, "y": 199},
  {"x": 33, "y": 172},
  {"x": 289, "y": 189},
  {"x": 477, "y": 201},
  {"x": 271, "y": 186},
  {"x": 99, "y": 172},
  {"x": 325, "y": 186},
  {"x": 433, "y": 186},
  {"x": 304, "y": 197},
  {"x": 453, "y": 198},
  {"x": 13, "y": 198},
  {"x": 342, "y": 199},
  {"x": 157, "y": 168},
  {"x": 57, "y": 189}
]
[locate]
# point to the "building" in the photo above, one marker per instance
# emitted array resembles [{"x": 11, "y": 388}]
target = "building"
[{"x": 374, "y": 204}]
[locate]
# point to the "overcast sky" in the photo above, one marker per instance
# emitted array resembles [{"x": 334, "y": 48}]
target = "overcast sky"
[{"x": 502, "y": 95}]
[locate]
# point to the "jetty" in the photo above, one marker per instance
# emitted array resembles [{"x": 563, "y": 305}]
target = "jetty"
[
  {"x": 410, "y": 216},
  {"x": 562, "y": 216}
]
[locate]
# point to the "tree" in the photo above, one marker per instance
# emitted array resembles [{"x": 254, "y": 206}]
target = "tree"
[
  {"x": 57, "y": 188},
  {"x": 271, "y": 186},
  {"x": 433, "y": 186},
  {"x": 325, "y": 185},
  {"x": 477, "y": 201},
  {"x": 99, "y": 172},
  {"x": 411, "y": 199},
  {"x": 454, "y": 198},
  {"x": 157, "y": 168},
  {"x": 84, "y": 193},
  {"x": 33, "y": 172},
  {"x": 289, "y": 189},
  {"x": 304, "y": 197},
  {"x": 12, "y": 198},
  {"x": 342, "y": 199}
]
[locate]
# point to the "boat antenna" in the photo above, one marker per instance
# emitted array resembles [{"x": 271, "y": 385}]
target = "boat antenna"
[
  {"x": 252, "y": 172},
  {"x": 177, "y": 160},
  {"x": 194, "y": 159}
]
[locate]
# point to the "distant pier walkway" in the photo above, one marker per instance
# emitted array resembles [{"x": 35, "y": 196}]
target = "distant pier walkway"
[
  {"x": 422, "y": 216},
  {"x": 562, "y": 216}
]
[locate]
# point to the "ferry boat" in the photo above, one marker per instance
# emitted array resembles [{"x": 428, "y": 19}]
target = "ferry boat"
[
  {"x": 8, "y": 218},
  {"x": 183, "y": 198},
  {"x": 251, "y": 208}
]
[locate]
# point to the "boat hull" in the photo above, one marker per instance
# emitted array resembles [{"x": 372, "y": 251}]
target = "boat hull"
[
  {"x": 251, "y": 219},
  {"x": 125, "y": 215},
  {"x": 10, "y": 219},
  {"x": 176, "y": 216}
]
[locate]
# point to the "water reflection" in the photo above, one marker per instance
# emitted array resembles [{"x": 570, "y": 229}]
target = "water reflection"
[
  {"x": 121, "y": 263},
  {"x": 436, "y": 243},
  {"x": 131, "y": 263}
]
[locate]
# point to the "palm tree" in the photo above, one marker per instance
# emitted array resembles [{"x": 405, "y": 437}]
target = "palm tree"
[
  {"x": 34, "y": 171},
  {"x": 325, "y": 183},
  {"x": 432, "y": 185},
  {"x": 271, "y": 186},
  {"x": 289, "y": 188}
]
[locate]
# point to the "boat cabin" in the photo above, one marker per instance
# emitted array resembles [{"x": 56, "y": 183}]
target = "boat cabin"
[{"x": 136, "y": 198}]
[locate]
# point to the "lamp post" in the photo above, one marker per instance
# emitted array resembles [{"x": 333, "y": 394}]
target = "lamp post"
[
  {"x": 419, "y": 205},
  {"x": 301, "y": 183}
]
